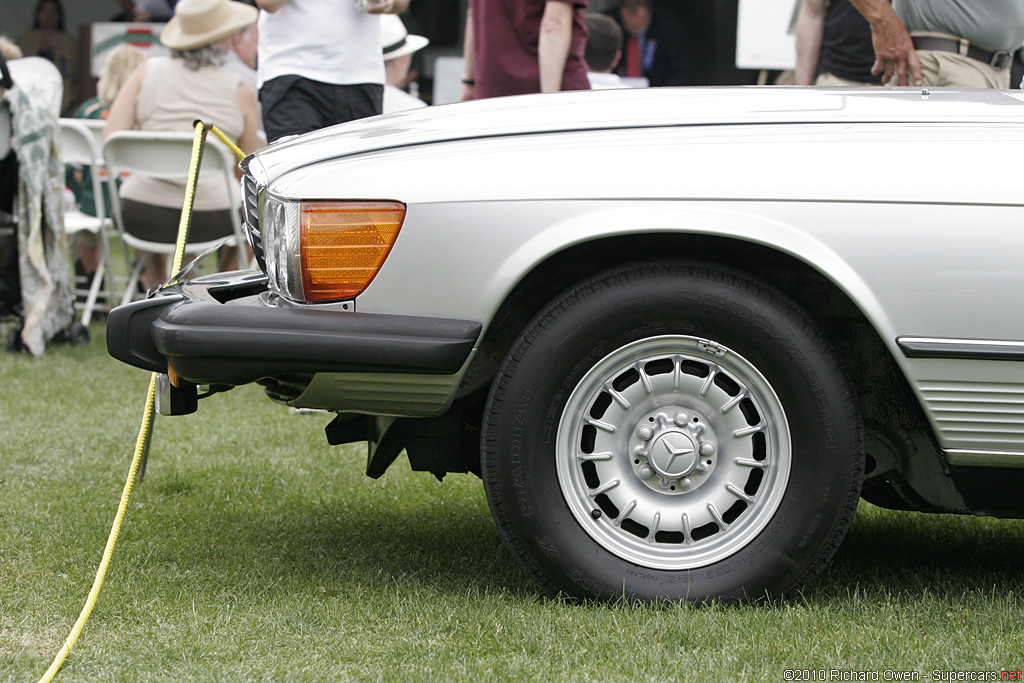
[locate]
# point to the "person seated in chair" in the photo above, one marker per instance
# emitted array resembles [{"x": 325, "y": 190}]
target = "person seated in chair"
[
  {"x": 121, "y": 62},
  {"x": 169, "y": 94}
]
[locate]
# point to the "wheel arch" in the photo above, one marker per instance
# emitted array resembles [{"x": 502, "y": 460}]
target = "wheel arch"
[{"x": 904, "y": 466}]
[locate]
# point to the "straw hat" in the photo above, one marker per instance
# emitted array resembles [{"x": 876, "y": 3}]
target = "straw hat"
[
  {"x": 395, "y": 40},
  {"x": 200, "y": 22}
]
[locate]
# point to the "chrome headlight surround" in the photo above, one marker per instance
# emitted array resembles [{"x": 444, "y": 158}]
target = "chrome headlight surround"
[
  {"x": 279, "y": 228},
  {"x": 253, "y": 189}
]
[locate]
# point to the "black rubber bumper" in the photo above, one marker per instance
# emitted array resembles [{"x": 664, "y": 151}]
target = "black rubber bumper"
[{"x": 243, "y": 340}]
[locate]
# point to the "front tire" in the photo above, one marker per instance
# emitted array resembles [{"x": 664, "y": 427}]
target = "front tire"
[{"x": 672, "y": 432}]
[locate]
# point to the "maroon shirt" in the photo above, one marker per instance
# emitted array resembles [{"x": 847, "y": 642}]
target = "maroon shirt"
[{"x": 505, "y": 37}]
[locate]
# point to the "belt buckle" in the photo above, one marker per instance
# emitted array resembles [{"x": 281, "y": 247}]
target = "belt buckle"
[{"x": 1001, "y": 59}]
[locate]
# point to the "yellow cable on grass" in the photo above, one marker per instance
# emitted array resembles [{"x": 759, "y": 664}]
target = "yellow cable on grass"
[
  {"x": 144, "y": 428},
  {"x": 115, "y": 530}
]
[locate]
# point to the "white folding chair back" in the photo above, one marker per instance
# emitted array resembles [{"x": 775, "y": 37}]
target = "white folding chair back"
[
  {"x": 80, "y": 144},
  {"x": 168, "y": 156},
  {"x": 95, "y": 127}
]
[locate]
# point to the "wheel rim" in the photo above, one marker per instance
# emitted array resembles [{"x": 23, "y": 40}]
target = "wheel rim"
[{"x": 673, "y": 452}]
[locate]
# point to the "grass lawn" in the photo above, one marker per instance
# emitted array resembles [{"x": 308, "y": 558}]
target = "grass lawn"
[{"x": 253, "y": 551}]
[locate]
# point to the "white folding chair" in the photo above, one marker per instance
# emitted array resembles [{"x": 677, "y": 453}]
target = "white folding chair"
[
  {"x": 168, "y": 156},
  {"x": 80, "y": 144}
]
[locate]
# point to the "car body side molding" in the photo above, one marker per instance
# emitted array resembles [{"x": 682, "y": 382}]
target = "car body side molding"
[{"x": 961, "y": 349}]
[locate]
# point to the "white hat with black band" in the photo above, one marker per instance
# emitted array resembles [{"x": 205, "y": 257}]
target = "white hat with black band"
[{"x": 395, "y": 41}]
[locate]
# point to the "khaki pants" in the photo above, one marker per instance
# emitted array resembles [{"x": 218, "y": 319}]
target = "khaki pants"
[
  {"x": 951, "y": 70},
  {"x": 833, "y": 81}
]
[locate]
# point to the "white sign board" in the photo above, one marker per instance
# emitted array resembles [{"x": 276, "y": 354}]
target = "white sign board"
[
  {"x": 108, "y": 35},
  {"x": 447, "y": 80},
  {"x": 766, "y": 34}
]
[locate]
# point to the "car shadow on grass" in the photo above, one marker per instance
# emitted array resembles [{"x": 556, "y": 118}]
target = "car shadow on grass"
[
  {"x": 918, "y": 555},
  {"x": 441, "y": 545}
]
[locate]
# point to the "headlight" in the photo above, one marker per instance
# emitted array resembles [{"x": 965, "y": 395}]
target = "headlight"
[
  {"x": 279, "y": 225},
  {"x": 320, "y": 251}
]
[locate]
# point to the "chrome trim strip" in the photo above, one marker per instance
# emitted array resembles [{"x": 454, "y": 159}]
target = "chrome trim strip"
[
  {"x": 962, "y": 457},
  {"x": 961, "y": 349}
]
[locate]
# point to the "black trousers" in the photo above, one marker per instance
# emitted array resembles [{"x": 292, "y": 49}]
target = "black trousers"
[{"x": 293, "y": 105}]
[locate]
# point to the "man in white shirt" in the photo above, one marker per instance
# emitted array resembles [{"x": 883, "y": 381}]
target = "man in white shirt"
[{"x": 320, "y": 62}]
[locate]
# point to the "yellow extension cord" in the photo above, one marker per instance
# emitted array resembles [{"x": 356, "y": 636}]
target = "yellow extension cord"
[{"x": 147, "y": 414}]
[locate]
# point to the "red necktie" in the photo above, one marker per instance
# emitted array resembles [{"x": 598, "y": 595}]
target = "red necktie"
[{"x": 633, "y": 69}]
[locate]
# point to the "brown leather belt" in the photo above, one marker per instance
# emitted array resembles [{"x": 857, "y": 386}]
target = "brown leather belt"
[{"x": 997, "y": 60}]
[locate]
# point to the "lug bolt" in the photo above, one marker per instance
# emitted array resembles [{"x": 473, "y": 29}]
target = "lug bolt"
[
  {"x": 707, "y": 449},
  {"x": 681, "y": 419},
  {"x": 645, "y": 432},
  {"x": 646, "y": 471},
  {"x": 685, "y": 483}
]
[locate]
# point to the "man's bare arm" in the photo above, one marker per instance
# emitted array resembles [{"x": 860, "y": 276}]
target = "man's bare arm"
[
  {"x": 553, "y": 47},
  {"x": 894, "y": 51},
  {"x": 468, "y": 70},
  {"x": 810, "y": 27}
]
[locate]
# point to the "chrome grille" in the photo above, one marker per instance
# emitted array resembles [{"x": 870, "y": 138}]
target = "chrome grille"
[{"x": 250, "y": 207}]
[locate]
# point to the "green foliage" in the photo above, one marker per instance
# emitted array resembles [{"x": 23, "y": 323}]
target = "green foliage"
[{"x": 253, "y": 551}]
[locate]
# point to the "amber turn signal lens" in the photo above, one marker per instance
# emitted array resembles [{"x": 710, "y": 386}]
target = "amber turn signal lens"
[{"x": 344, "y": 244}]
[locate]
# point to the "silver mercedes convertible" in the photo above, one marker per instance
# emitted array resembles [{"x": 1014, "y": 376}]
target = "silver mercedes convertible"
[{"x": 678, "y": 333}]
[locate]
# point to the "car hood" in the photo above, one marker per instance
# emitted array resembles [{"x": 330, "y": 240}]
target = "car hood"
[{"x": 637, "y": 108}]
